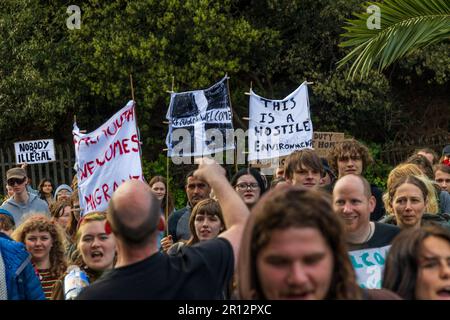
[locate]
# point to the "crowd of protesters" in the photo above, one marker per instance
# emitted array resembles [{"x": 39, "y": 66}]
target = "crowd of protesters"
[{"x": 308, "y": 233}]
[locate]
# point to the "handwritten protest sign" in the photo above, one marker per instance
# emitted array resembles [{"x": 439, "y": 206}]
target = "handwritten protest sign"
[
  {"x": 369, "y": 266},
  {"x": 200, "y": 122},
  {"x": 35, "y": 151},
  {"x": 106, "y": 158},
  {"x": 279, "y": 127},
  {"x": 323, "y": 142}
]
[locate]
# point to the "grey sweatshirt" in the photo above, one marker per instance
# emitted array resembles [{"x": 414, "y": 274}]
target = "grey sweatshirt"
[{"x": 18, "y": 210}]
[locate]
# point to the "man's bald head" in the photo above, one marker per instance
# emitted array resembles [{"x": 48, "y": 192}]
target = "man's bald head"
[
  {"x": 134, "y": 212},
  {"x": 355, "y": 179}
]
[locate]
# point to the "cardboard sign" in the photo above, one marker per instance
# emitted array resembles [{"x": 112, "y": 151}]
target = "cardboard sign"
[
  {"x": 35, "y": 151},
  {"x": 323, "y": 142}
]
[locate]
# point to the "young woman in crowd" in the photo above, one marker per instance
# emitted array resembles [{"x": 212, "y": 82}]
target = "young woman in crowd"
[
  {"x": 249, "y": 184},
  {"x": 96, "y": 250},
  {"x": 418, "y": 264},
  {"x": 45, "y": 191},
  {"x": 44, "y": 240},
  {"x": 60, "y": 213},
  {"x": 206, "y": 222},
  {"x": 442, "y": 176},
  {"x": 72, "y": 225},
  {"x": 159, "y": 186}
]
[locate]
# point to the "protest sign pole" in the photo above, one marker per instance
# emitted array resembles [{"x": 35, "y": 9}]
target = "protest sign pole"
[
  {"x": 166, "y": 211},
  {"x": 132, "y": 87},
  {"x": 136, "y": 122},
  {"x": 232, "y": 115}
]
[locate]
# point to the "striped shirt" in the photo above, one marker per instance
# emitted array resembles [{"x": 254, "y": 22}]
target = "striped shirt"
[{"x": 47, "y": 282}]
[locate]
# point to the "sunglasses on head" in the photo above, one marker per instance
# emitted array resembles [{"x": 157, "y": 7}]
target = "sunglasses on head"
[{"x": 11, "y": 182}]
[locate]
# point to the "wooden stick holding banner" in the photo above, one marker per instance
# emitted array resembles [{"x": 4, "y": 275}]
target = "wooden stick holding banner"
[
  {"x": 173, "y": 84},
  {"x": 132, "y": 87},
  {"x": 232, "y": 115},
  {"x": 75, "y": 121},
  {"x": 166, "y": 211},
  {"x": 135, "y": 115}
]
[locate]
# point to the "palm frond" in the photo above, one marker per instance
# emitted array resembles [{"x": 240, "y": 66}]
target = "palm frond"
[{"x": 406, "y": 25}]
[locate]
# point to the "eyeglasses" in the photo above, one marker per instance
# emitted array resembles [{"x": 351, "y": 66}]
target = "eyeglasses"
[
  {"x": 245, "y": 186},
  {"x": 11, "y": 182}
]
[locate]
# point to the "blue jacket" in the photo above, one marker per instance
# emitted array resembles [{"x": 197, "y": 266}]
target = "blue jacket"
[{"x": 22, "y": 282}]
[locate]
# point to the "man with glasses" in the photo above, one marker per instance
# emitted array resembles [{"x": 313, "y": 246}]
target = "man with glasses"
[
  {"x": 22, "y": 202},
  {"x": 196, "y": 190},
  {"x": 352, "y": 157}
]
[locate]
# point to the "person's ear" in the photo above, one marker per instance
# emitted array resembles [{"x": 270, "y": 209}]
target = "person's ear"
[{"x": 372, "y": 203}]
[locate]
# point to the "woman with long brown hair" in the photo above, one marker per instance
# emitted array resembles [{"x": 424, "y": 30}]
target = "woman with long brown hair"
[{"x": 417, "y": 266}]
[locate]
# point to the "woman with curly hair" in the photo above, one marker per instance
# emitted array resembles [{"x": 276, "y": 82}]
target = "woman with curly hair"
[{"x": 44, "y": 240}]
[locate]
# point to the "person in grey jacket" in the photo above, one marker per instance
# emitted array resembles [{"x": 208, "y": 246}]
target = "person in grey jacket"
[{"x": 22, "y": 202}]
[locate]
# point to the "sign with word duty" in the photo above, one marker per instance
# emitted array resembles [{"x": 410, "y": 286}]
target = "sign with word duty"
[
  {"x": 36, "y": 151},
  {"x": 369, "y": 266},
  {"x": 323, "y": 142},
  {"x": 279, "y": 127},
  {"x": 107, "y": 157}
]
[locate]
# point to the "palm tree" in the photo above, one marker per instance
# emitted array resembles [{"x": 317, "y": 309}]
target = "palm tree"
[{"x": 406, "y": 25}]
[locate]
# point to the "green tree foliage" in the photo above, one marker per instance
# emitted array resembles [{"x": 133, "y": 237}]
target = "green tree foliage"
[
  {"x": 406, "y": 25},
  {"x": 197, "y": 42},
  {"x": 49, "y": 73}
]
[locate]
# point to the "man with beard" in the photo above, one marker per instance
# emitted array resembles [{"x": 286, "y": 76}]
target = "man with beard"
[{"x": 196, "y": 190}]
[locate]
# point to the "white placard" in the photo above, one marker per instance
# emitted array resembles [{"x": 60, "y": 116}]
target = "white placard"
[
  {"x": 279, "y": 127},
  {"x": 106, "y": 158},
  {"x": 35, "y": 151}
]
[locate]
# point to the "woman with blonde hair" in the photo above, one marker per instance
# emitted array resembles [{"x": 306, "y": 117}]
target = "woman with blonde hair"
[
  {"x": 410, "y": 169},
  {"x": 44, "y": 240},
  {"x": 408, "y": 197},
  {"x": 95, "y": 250}
]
